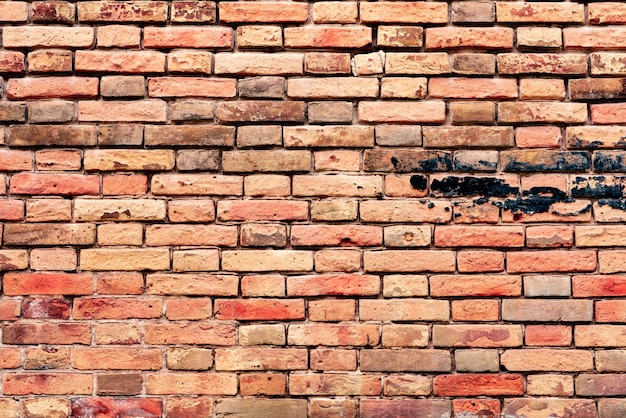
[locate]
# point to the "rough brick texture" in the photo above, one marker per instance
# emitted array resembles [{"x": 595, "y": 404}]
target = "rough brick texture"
[{"x": 276, "y": 209}]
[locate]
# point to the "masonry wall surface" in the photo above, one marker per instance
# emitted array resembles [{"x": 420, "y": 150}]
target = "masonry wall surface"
[{"x": 325, "y": 209}]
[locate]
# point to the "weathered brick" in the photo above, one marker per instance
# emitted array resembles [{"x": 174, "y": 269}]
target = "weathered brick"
[
  {"x": 370, "y": 408},
  {"x": 593, "y": 37},
  {"x": 64, "y": 333},
  {"x": 339, "y": 384},
  {"x": 406, "y": 360},
  {"x": 404, "y": 12},
  {"x": 124, "y": 259},
  {"x": 121, "y": 36},
  {"x": 259, "y": 309},
  {"x": 607, "y": 63},
  {"x": 262, "y": 408},
  {"x": 501, "y": 384},
  {"x": 579, "y": 407},
  {"x": 266, "y": 161},
  {"x": 431, "y": 111},
  {"x": 413, "y": 309},
  {"x": 187, "y": 37},
  {"x": 191, "y": 384},
  {"x": 542, "y": 112},
  {"x": 477, "y": 336},
  {"x": 457, "y": 37},
  {"x": 47, "y": 37},
  {"x": 260, "y": 358},
  {"x": 11, "y": 61},
  {"x": 473, "y": 12},
  {"x": 542, "y": 89},
  {"x": 196, "y": 184},
  {"x": 110, "y": 11},
  {"x": 536, "y": 12},
  {"x": 400, "y": 36},
  {"x": 328, "y": 37},
  {"x": 260, "y": 111},
  {"x": 542, "y": 63},
  {"x": 417, "y": 63},
  {"x": 47, "y": 383}
]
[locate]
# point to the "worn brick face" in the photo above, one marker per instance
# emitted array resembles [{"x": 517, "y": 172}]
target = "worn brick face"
[{"x": 333, "y": 208}]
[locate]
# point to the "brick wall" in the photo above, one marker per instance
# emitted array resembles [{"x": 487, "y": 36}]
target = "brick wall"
[{"x": 325, "y": 209}]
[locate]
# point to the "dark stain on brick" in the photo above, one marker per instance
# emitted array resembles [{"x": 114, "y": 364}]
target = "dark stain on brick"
[
  {"x": 454, "y": 186},
  {"x": 558, "y": 161},
  {"x": 609, "y": 161},
  {"x": 598, "y": 190},
  {"x": 418, "y": 182},
  {"x": 536, "y": 200},
  {"x": 576, "y": 142},
  {"x": 613, "y": 203}
]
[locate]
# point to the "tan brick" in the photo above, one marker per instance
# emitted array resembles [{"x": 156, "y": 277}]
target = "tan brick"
[
  {"x": 124, "y": 259},
  {"x": 266, "y": 161},
  {"x": 547, "y": 310},
  {"x": 417, "y": 63},
  {"x": 478, "y": 336},
  {"x": 267, "y": 260},
  {"x": 405, "y": 360},
  {"x": 543, "y": 359},
  {"x": 329, "y": 136},
  {"x": 539, "y": 37},
  {"x": 550, "y": 385},
  {"x": 332, "y": 87},
  {"x": 47, "y": 37},
  {"x": 262, "y": 408},
  {"x": 120, "y": 36},
  {"x": 473, "y": 12},
  {"x": 257, "y": 36},
  {"x": 404, "y": 12},
  {"x": 542, "y": 89},
  {"x": 403, "y": 88},
  {"x": 542, "y": 63},
  {"x": 339, "y": 384},
  {"x": 191, "y": 384},
  {"x": 193, "y": 62},
  {"x": 196, "y": 184},
  {"x": 412, "y": 309},
  {"x": 540, "y": 12},
  {"x": 131, "y": 62},
  {"x": 122, "y": 111},
  {"x": 405, "y": 336},
  {"x": 187, "y": 37}
]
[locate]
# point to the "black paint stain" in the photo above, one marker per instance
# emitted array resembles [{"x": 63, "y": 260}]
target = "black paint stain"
[
  {"x": 454, "y": 186},
  {"x": 536, "y": 200},
  {"x": 419, "y": 182}
]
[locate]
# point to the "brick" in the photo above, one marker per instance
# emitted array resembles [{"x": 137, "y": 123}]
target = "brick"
[
  {"x": 191, "y": 86},
  {"x": 113, "y": 308},
  {"x": 309, "y": 235},
  {"x": 417, "y": 63},
  {"x": 407, "y": 236},
  {"x": 11, "y": 210},
  {"x": 193, "y": 11},
  {"x": 406, "y": 186},
  {"x": 475, "y": 285},
  {"x": 337, "y": 185},
  {"x": 600, "y": 385},
  {"x": 542, "y": 63},
  {"x": 471, "y": 88},
  {"x": 328, "y": 37},
  {"x": 109, "y": 11},
  {"x": 11, "y": 61},
  {"x": 122, "y": 134},
  {"x": 13, "y": 112},
  {"x": 580, "y": 407},
  {"x": 51, "y": 135},
  {"x": 479, "y": 236},
  {"x": 261, "y": 358},
  {"x": 324, "y": 88},
  {"x": 128, "y": 160},
  {"x": 412, "y": 309},
  {"x": 480, "y": 261},
  {"x": 14, "y": 12},
  {"x": 405, "y": 211},
  {"x": 125, "y": 184},
  {"x": 534, "y": 12},
  {"x": 10, "y": 408},
  {"x": 610, "y": 361},
  {"x": 203, "y": 235},
  {"x": 448, "y": 37},
  {"x": 196, "y": 184},
  {"x": 490, "y": 407},
  {"x": 260, "y": 111},
  {"x": 332, "y": 310},
  {"x": 188, "y": 308},
  {"x": 150, "y": 408},
  {"x": 337, "y": 160},
  {"x": 472, "y": 112},
  {"x": 48, "y": 383},
  {"x": 473, "y": 64},
  {"x": 58, "y": 160},
  {"x": 46, "y": 210},
  {"x": 607, "y": 63},
  {"x": 430, "y": 111},
  {"x": 120, "y": 234},
  {"x": 478, "y": 360},
  {"x": 46, "y": 308},
  {"x": 340, "y": 284},
  {"x": 263, "y": 285},
  {"x": 333, "y": 359},
  {"x": 49, "y": 87},
  {"x": 597, "y": 88},
  {"x": 539, "y": 37},
  {"x": 51, "y": 111},
  {"x": 44, "y": 60},
  {"x": 123, "y": 86},
  {"x": 191, "y": 384},
  {"x": 606, "y": 13},
  {"x": 333, "y": 335},
  {"x": 403, "y": 88},
  {"x": 198, "y": 284},
  {"x": 398, "y": 135},
  {"x": 606, "y": 113},
  {"x": 404, "y": 12},
  {"x": 400, "y": 36},
  {"x": 189, "y": 61},
  {"x": 542, "y": 112},
  {"x": 205, "y": 333},
  {"x": 599, "y": 236},
  {"x": 473, "y": 12},
  {"x": 551, "y": 385},
  {"x": 46, "y": 333},
  {"x": 610, "y": 261},
  {"x": 122, "y": 111},
  {"x": 548, "y": 285},
  {"x": 546, "y": 310},
  {"x": 120, "y": 36},
  {"x": 119, "y": 283},
  {"x": 259, "y": 36},
  {"x": 599, "y": 286},
  {"x": 329, "y": 136},
  {"x": 187, "y": 37},
  {"x": 408, "y": 260},
  {"x": 116, "y": 358},
  {"x": 262, "y": 408},
  {"x": 551, "y": 261},
  {"x": 334, "y": 210},
  {"x": 543, "y": 359},
  {"x": 124, "y": 259},
  {"x": 370, "y": 408},
  {"x": 408, "y": 360},
  {"x": 266, "y": 161},
  {"x": 538, "y": 137},
  {"x": 117, "y": 333},
  {"x": 13, "y": 160},
  {"x": 50, "y": 407},
  {"x": 478, "y": 384},
  {"x": 262, "y": 87},
  {"x": 266, "y": 260},
  {"x": 47, "y": 37},
  {"x": 195, "y": 260},
  {"x": 337, "y": 261},
  {"x": 330, "y": 112},
  {"x": 48, "y": 284},
  {"x": 603, "y": 38},
  {"x": 327, "y": 63},
  {"x": 477, "y": 336},
  {"x": 262, "y": 384},
  {"x": 270, "y": 334},
  {"x": 542, "y": 89},
  {"x": 49, "y": 234},
  {"x": 398, "y": 385},
  {"x": 339, "y": 384},
  {"x": 196, "y": 135}
]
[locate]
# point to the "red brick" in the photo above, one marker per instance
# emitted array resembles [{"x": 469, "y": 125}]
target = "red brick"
[
  {"x": 257, "y": 210},
  {"x": 117, "y": 308},
  {"x": 333, "y": 284},
  {"x": 472, "y": 88},
  {"x": 456, "y": 37},
  {"x": 205, "y": 333},
  {"x": 55, "y": 184},
  {"x": 548, "y": 335},
  {"x": 259, "y": 309},
  {"x": 333, "y": 334},
  {"x": 480, "y": 261},
  {"x": 129, "y": 62},
  {"x": 551, "y": 261},
  {"x": 46, "y": 333},
  {"x": 488, "y": 408},
  {"x": 599, "y": 286},
  {"x": 331, "y": 37},
  {"x": 254, "y": 384},
  {"x": 11, "y": 61},
  {"x": 49, "y": 87},
  {"x": 477, "y": 336},
  {"x": 475, "y": 310},
  {"x": 48, "y": 284},
  {"x": 148, "y": 408},
  {"x": 331, "y": 235},
  {"x": 264, "y": 12},
  {"x": 479, "y": 236},
  {"x": 478, "y": 385},
  {"x": 475, "y": 285},
  {"x": 187, "y": 37},
  {"x": 47, "y": 384}
]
